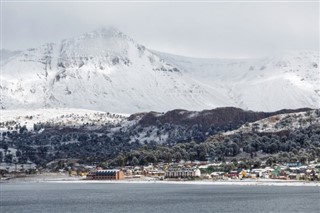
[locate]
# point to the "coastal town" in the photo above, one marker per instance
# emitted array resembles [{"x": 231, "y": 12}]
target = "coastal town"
[{"x": 182, "y": 171}]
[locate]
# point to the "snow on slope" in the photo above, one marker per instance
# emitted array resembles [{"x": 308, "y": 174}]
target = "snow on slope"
[
  {"x": 57, "y": 116},
  {"x": 277, "y": 123},
  {"x": 288, "y": 80},
  {"x": 108, "y": 71}
]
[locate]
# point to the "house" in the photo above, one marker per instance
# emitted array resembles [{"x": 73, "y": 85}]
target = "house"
[
  {"x": 217, "y": 175},
  {"x": 243, "y": 174},
  {"x": 233, "y": 174},
  {"x": 156, "y": 173},
  {"x": 262, "y": 173}
]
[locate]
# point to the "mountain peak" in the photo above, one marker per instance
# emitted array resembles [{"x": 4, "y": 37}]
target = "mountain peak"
[
  {"x": 104, "y": 40},
  {"x": 107, "y": 30}
]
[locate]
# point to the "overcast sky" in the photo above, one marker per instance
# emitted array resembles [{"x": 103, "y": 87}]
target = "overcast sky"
[{"x": 192, "y": 29}]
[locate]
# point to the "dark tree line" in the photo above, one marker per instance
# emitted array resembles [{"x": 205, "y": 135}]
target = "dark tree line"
[{"x": 101, "y": 145}]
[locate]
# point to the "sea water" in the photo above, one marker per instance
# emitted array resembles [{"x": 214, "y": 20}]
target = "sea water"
[{"x": 152, "y": 197}]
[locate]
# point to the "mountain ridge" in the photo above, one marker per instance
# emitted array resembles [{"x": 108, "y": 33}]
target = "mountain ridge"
[{"x": 107, "y": 70}]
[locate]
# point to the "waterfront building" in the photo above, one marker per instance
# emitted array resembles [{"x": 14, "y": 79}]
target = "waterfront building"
[
  {"x": 182, "y": 173},
  {"x": 109, "y": 174}
]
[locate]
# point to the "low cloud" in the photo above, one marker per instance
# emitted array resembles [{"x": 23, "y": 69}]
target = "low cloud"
[{"x": 191, "y": 29}]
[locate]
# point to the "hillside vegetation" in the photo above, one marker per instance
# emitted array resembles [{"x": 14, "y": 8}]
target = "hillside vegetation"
[{"x": 217, "y": 135}]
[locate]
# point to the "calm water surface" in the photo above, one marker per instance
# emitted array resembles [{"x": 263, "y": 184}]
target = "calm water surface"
[{"x": 108, "y": 197}]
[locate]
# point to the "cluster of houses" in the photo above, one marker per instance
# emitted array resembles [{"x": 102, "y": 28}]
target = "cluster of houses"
[
  {"x": 183, "y": 171},
  {"x": 193, "y": 171},
  {"x": 278, "y": 172}
]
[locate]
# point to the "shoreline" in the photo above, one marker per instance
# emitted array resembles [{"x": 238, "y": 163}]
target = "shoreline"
[
  {"x": 217, "y": 183},
  {"x": 257, "y": 182}
]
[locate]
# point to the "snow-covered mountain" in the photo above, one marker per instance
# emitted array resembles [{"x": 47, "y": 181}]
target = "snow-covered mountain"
[{"x": 108, "y": 71}]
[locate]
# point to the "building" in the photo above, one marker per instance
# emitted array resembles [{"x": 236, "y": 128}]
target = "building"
[
  {"x": 155, "y": 173},
  {"x": 182, "y": 173},
  {"x": 217, "y": 175},
  {"x": 233, "y": 174},
  {"x": 110, "y": 174}
]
